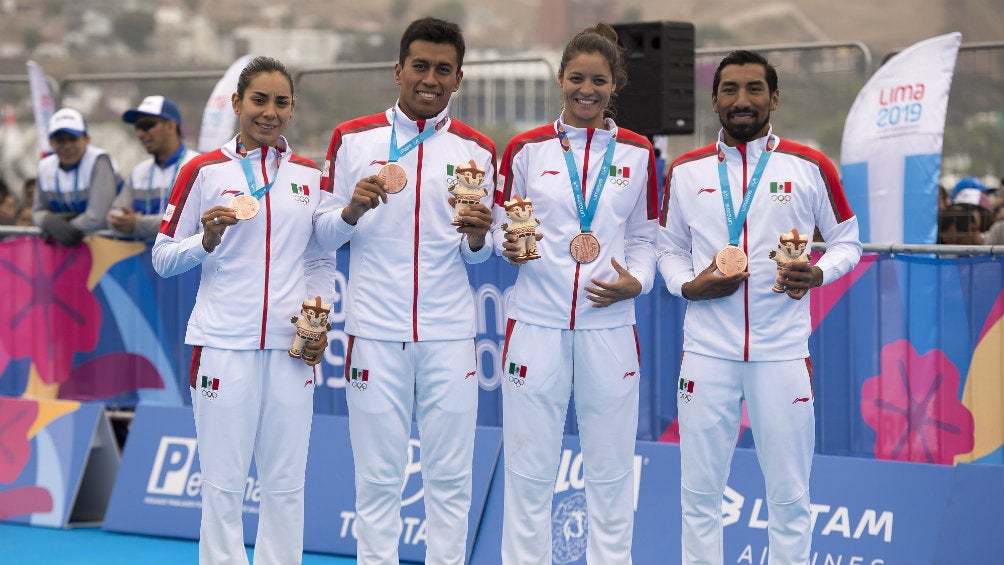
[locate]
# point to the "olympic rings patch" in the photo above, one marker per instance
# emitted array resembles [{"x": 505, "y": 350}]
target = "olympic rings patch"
[
  {"x": 781, "y": 198},
  {"x": 516, "y": 381},
  {"x": 210, "y": 394},
  {"x": 359, "y": 385},
  {"x": 620, "y": 182}
]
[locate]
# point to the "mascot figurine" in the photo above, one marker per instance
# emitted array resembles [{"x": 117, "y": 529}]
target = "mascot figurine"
[
  {"x": 466, "y": 188},
  {"x": 790, "y": 249},
  {"x": 311, "y": 324},
  {"x": 523, "y": 226}
]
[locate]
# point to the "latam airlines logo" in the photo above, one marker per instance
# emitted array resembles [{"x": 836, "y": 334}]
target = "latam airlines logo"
[{"x": 835, "y": 520}]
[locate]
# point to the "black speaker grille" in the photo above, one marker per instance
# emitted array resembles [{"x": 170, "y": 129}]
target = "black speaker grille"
[{"x": 659, "y": 97}]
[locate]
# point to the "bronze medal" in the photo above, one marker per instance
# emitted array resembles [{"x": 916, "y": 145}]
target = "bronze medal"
[
  {"x": 245, "y": 206},
  {"x": 394, "y": 177},
  {"x": 731, "y": 260},
  {"x": 584, "y": 247}
]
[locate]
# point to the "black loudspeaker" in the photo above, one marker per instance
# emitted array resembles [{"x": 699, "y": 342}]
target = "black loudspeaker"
[{"x": 659, "y": 97}]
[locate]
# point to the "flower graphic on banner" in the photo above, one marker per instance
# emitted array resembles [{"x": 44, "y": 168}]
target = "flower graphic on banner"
[
  {"x": 48, "y": 313},
  {"x": 16, "y": 419},
  {"x": 913, "y": 406}
]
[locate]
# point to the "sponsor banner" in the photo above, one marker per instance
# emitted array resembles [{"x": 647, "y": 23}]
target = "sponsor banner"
[
  {"x": 42, "y": 104},
  {"x": 158, "y": 489},
  {"x": 219, "y": 123},
  {"x": 891, "y": 152},
  {"x": 864, "y": 512},
  {"x": 58, "y": 461},
  {"x": 657, "y": 508}
]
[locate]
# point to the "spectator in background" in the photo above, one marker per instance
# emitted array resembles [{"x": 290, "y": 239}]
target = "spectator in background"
[
  {"x": 944, "y": 198},
  {"x": 137, "y": 210},
  {"x": 76, "y": 183},
  {"x": 23, "y": 217},
  {"x": 8, "y": 208},
  {"x": 970, "y": 190},
  {"x": 8, "y": 205},
  {"x": 960, "y": 224},
  {"x": 28, "y": 192}
]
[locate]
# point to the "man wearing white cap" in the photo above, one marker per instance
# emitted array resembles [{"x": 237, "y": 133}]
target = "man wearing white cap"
[
  {"x": 76, "y": 183},
  {"x": 137, "y": 209}
]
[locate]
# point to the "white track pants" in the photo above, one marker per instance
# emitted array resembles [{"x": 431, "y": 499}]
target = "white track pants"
[
  {"x": 262, "y": 404},
  {"x": 779, "y": 401},
  {"x": 439, "y": 378},
  {"x": 601, "y": 368}
]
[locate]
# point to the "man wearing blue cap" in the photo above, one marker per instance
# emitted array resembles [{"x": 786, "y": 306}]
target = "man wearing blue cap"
[
  {"x": 76, "y": 183},
  {"x": 137, "y": 210}
]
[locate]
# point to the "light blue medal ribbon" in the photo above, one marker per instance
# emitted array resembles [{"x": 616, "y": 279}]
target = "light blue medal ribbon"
[
  {"x": 398, "y": 152},
  {"x": 735, "y": 221},
  {"x": 256, "y": 192},
  {"x": 585, "y": 213}
]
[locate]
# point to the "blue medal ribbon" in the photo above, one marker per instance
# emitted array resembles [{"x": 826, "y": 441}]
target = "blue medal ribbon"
[
  {"x": 256, "y": 192},
  {"x": 735, "y": 221},
  {"x": 585, "y": 213},
  {"x": 398, "y": 152}
]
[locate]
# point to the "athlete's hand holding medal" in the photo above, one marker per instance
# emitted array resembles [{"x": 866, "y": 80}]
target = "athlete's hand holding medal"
[{"x": 370, "y": 192}]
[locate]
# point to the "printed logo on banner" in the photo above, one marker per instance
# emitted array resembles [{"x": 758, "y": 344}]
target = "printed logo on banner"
[
  {"x": 827, "y": 520},
  {"x": 569, "y": 528},
  {"x": 414, "y": 528},
  {"x": 171, "y": 466},
  {"x": 569, "y": 523},
  {"x": 176, "y": 481}
]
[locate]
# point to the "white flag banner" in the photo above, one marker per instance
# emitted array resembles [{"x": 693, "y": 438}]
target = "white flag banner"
[
  {"x": 891, "y": 152},
  {"x": 42, "y": 104},
  {"x": 218, "y": 119}
]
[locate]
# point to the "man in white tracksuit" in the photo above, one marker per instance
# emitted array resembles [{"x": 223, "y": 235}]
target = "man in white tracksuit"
[
  {"x": 743, "y": 340},
  {"x": 409, "y": 307}
]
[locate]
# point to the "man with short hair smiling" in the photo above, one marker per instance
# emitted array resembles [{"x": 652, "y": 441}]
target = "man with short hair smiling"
[
  {"x": 76, "y": 183},
  {"x": 137, "y": 209}
]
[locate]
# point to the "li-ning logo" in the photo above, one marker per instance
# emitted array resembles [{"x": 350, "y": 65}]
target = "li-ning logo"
[
  {"x": 516, "y": 374},
  {"x": 470, "y": 374},
  {"x": 360, "y": 378},
  {"x": 686, "y": 390},
  {"x": 780, "y": 192},
  {"x": 620, "y": 176},
  {"x": 210, "y": 387},
  {"x": 708, "y": 190},
  {"x": 800, "y": 399},
  {"x": 229, "y": 191},
  {"x": 301, "y": 193},
  {"x": 549, "y": 173}
]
